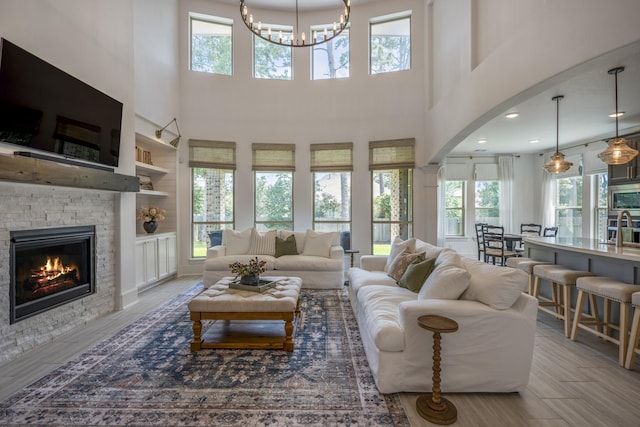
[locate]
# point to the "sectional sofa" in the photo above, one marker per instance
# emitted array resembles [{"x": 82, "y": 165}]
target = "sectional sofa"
[
  {"x": 493, "y": 347},
  {"x": 317, "y": 258}
]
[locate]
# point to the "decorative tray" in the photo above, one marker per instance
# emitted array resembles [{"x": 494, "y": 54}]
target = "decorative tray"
[{"x": 262, "y": 285}]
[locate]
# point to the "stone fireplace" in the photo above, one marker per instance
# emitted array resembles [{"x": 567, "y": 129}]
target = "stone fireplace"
[{"x": 50, "y": 267}]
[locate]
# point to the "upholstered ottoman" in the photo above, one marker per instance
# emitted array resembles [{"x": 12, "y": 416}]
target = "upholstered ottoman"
[{"x": 248, "y": 316}]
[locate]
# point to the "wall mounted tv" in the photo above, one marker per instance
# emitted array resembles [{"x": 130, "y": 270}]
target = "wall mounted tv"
[{"x": 43, "y": 108}]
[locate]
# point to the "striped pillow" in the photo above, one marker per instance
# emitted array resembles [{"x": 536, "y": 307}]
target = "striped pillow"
[{"x": 263, "y": 243}]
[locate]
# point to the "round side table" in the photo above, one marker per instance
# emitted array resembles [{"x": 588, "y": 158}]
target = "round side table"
[{"x": 431, "y": 406}]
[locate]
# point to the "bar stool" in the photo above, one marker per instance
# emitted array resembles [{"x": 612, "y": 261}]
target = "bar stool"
[
  {"x": 526, "y": 265},
  {"x": 557, "y": 275},
  {"x": 635, "y": 331},
  {"x": 610, "y": 290}
]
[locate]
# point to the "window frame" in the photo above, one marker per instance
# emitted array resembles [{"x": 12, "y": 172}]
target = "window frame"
[
  {"x": 462, "y": 209},
  {"x": 210, "y": 19},
  {"x": 279, "y": 225},
  {"x": 286, "y": 30},
  {"x": 329, "y": 27},
  {"x": 383, "y": 20},
  {"x": 574, "y": 208},
  {"x": 476, "y": 208}
]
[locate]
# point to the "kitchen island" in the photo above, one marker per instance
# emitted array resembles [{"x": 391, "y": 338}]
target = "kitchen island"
[{"x": 602, "y": 259}]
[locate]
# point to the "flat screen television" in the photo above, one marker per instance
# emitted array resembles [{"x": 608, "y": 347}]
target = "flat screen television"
[{"x": 44, "y": 109}]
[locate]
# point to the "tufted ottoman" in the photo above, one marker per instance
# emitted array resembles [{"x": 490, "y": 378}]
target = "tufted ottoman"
[{"x": 254, "y": 311}]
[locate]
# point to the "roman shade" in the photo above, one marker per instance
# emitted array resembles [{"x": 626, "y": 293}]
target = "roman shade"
[
  {"x": 274, "y": 157},
  {"x": 212, "y": 154},
  {"x": 486, "y": 172},
  {"x": 333, "y": 157},
  {"x": 392, "y": 154}
]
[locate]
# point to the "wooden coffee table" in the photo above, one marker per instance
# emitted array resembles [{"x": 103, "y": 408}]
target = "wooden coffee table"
[{"x": 245, "y": 319}]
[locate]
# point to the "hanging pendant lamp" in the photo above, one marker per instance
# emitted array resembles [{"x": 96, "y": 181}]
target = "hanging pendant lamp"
[
  {"x": 618, "y": 152},
  {"x": 557, "y": 163}
]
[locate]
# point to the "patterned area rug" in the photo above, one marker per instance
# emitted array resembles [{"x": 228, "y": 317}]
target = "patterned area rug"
[{"x": 147, "y": 375}]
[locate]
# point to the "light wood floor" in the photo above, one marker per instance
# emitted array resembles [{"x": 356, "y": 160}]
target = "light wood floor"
[{"x": 572, "y": 383}]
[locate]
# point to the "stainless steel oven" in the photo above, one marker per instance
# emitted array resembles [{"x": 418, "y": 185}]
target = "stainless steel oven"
[{"x": 624, "y": 197}]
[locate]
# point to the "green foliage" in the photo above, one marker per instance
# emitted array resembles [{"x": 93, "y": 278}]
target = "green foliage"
[
  {"x": 390, "y": 53},
  {"x": 211, "y": 54},
  {"x": 271, "y": 61},
  {"x": 274, "y": 201},
  {"x": 382, "y": 207},
  {"x": 327, "y": 206}
]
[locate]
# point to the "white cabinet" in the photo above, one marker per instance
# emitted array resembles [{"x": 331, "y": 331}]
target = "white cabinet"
[{"x": 155, "y": 258}]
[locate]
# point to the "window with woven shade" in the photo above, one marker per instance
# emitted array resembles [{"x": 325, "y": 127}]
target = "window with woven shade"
[
  {"x": 212, "y": 165},
  {"x": 331, "y": 165},
  {"x": 273, "y": 167},
  {"x": 391, "y": 163}
]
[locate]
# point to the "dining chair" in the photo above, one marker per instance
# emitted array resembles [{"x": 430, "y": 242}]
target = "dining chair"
[
  {"x": 527, "y": 230},
  {"x": 550, "y": 232},
  {"x": 495, "y": 245},
  {"x": 480, "y": 239}
]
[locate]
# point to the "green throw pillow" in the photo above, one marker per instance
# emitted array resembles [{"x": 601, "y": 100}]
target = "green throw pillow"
[
  {"x": 286, "y": 246},
  {"x": 416, "y": 274}
]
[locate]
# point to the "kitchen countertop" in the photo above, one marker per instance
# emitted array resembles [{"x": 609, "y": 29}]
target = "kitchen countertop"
[{"x": 587, "y": 246}]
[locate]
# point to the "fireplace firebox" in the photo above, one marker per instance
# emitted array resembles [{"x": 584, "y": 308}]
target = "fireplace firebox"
[{"x": 50, "y": 267}]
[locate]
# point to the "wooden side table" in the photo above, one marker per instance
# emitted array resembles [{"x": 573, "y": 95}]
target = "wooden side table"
[
  {"x": 351, "y": 252},
  {"x": 431, "y": 406}
]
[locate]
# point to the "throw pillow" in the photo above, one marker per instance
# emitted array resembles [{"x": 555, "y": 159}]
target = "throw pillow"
[
  {"x": 318, "y": 244},
  {"x": 263, "y": 243},
  {"x": 497, "y": 287},
  {"x": 445, "y": 282},
  {"x": 286, "y": 246},
  {"x": 416, "y": 274},
  {"x": 237, "y": 242},
  {"x": 397, "y": 247},
  {"x": 402, "y": 262},
  {"x": 298, "y": 235}
]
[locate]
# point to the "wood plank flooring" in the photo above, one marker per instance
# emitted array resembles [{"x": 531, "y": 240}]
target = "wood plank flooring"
[{"x": 571, "y": 384}]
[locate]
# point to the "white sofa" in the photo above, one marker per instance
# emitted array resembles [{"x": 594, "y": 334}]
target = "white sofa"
[
  {"x": 493, "y": 347},
  {"x": 318, "y": 259}
]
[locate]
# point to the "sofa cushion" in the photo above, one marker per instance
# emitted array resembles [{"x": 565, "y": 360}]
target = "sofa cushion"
[
  {"x": 416, "y": 274},
  {"x": 429, "y": 250},
  {"x": 308, "y": 263},
  {"x": 286, "y": 246},
  {"x": 237, "y": 242},
  {"x": 402, "y": 262},
  {"x": 397, "y": 247},
  {"x": 447, "y": 281},
  {"x": 449, "y": 257},
  {"x": 262, "y": 243},
  {"x": 379, "y": 305},
  {"x": 497, "y": 287},
  {"x": 222, "y": 263},
  {"x": 359, "y": 278},
  {"x": 318, "y": 244}
]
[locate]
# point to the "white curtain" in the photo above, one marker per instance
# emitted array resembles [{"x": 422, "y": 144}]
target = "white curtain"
[
  {"x": 548, "y": 199},
  {"x": 441, "y": 207},
  {"x": 506, "y": 176}
]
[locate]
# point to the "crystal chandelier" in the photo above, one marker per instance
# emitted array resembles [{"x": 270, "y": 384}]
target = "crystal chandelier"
[
  {"x": 618, "y": 152},
  {"x": 557, "y": 163},
  {"x": 294, "y": 38}
]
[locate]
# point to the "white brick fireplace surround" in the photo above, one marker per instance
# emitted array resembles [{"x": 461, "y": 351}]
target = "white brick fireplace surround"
[{"x": 26, "y": 206}]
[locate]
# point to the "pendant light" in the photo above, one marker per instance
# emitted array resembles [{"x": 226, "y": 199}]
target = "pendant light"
[
  {"x": 557, "y": 163},
  {"x": 618, "y": 152}
]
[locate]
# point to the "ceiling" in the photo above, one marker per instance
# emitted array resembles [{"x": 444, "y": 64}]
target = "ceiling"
[{"x": 589, "y": 98}]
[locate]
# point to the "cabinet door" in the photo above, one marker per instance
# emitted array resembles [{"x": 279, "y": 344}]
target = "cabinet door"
[
  {"x": 163, "y": 258},
  {"x": 627, "y": 172},
  {"x": 141, "y": 277},
  {"x": 172, "y": 259},
  {"x": 151, "y": 260}
]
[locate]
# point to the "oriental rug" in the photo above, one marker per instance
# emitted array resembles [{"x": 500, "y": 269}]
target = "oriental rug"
[{"x": 147, "y": 375}]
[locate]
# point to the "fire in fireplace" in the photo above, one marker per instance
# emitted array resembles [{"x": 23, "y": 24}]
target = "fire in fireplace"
[{"x": 50, "y": 267}]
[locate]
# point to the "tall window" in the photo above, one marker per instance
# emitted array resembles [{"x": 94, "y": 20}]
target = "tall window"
[
  {"x": 600, "y": 222},
  {"x": 487, "y": 202},
  {"x": 273, "y": 166},
  {"x": 330, "y": 60},
  {"x": 331, "y": 165},
  {"x": 390, "y": 43},
  {"x": 454, "y": 197},
  {"x": 569, "y": 206},
  {"x": 391, "y": 164},
  {"x": 211, "y": 44},
  {"x": 212, "y": 164},
  {"x": 272, "y": 61}
]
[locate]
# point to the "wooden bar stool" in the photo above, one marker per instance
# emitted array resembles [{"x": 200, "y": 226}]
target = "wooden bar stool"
[
  {"x": 558, "y": 276},
  {"x": 634, "y": 337},
  {"x": 610, "y": 290},
  {"x": 526, "y": 265}
]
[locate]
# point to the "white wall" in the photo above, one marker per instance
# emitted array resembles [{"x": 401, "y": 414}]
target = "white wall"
[{"x": 359, "y": 109}]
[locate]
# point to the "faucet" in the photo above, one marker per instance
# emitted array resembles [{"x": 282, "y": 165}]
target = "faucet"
[{"x": 619, "y": 239}]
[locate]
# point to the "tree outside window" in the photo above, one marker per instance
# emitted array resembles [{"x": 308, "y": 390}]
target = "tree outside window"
[
  {"x": 332, "y": 201},
  {"x": 330, "y": 60},
  {"x": 212, "y": 45},
  {"x": 454, "y": 208},
  {"x": 392, "y": 194},
  {"x": 274, "y": 200},
  {"x": 569, "y": 206},
  {"x": 212, "y": 199},
  {"x": 600, "y": 218},
  {"x": 487, "y": 202},
  {"x": 272, "y": 61},
  {"x": 390, "y": 45}
]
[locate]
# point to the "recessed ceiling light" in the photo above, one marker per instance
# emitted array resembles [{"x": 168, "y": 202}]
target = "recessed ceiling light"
[
  {"x": 482, "y": 141},
  {"x": 618, "y": 114},
  {"x": 511, "y": 115},
  {"x": 534, "y": 141},
  {"x": 480, "y": 150}
]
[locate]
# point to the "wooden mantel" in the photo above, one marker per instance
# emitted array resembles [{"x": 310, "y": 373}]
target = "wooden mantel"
[{"x": 29, "y": 170}]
